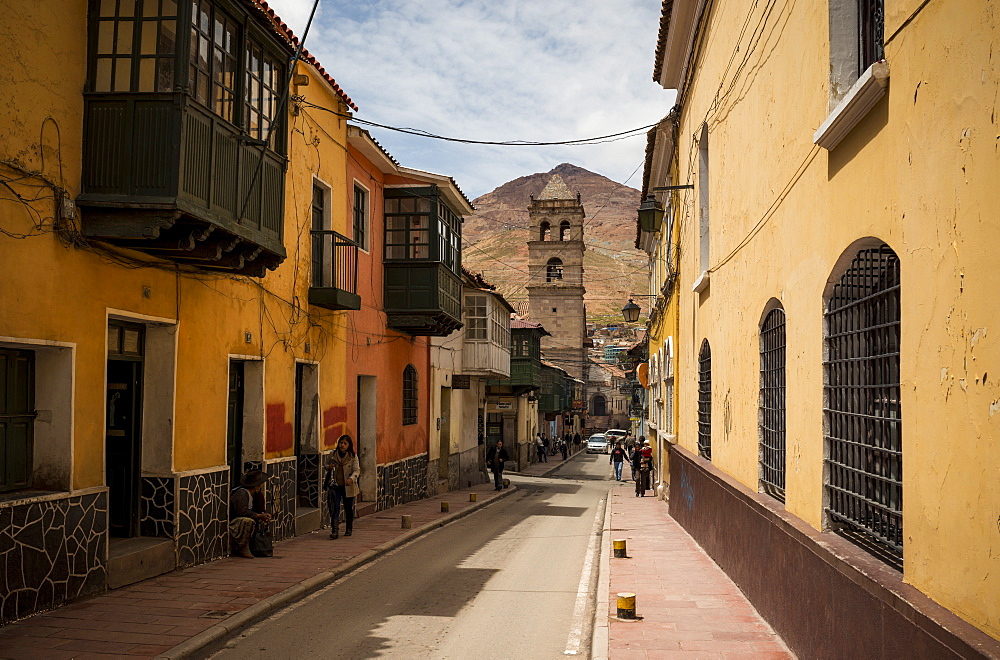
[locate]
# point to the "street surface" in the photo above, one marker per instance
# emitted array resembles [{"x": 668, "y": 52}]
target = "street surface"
[{"x": 516, "y": 579}]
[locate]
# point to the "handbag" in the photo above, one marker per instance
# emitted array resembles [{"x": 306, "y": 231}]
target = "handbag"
[{"x": 261, "y": 543}]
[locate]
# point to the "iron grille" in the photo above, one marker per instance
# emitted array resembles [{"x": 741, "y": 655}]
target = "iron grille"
[
  {"x": 863, "y": 418},
  {"x": 705, "y": 401},
  {"x": 871, "y": 33},
  {"x": 409, "y": 395},
  {"x": 771, "y": 417},
  {"x": 334, "y": 261}
]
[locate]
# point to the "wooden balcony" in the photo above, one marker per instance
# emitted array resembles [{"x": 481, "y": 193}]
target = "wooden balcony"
[
  {"x": 334, "y": 271},
  {"x": 423, "y": 298},
  {"x": 165, "y": 176}
]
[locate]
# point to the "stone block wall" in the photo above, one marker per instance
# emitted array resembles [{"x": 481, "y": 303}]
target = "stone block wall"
[
  {"x": 202, "y": 517},
  {"x": 51, "y": 551},
  {"x": 282, "y": 494},
  {"x": 401, "y": 482}
]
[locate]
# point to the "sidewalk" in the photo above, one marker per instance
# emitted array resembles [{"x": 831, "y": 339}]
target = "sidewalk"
[
  {"x": 174, "y": 615},
  {"x": 689, "y": 606}
]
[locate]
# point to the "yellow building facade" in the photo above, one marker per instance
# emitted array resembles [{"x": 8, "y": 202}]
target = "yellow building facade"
[
  {"x": 834, "y": 283},
  {"x": 155, "y": 349}
]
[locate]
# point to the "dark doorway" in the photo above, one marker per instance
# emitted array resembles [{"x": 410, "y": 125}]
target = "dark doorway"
[
  {"x": 234, "y": 421},
  {"x": 494, "y": 429},
  {"x": 123, "y": 435}
]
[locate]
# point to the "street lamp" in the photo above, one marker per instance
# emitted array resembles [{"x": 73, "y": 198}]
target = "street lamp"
[
  {"x": 631, "y": 311},
  {"x": 650, "y": 214}
]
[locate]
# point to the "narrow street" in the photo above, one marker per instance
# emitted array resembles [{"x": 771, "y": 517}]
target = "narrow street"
[{"x": 516, "y": 579}]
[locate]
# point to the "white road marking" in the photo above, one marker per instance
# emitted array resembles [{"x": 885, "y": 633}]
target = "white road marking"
[{"x": 583, "y": 590}]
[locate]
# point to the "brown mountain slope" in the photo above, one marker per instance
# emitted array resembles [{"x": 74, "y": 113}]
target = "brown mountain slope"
[{"x": 496, "y": 238}]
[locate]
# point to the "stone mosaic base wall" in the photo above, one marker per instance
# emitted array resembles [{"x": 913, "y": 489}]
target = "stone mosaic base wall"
[
  {"x": 203, "y": 517},
  {"x": 309, "y": 483},
  {"x": 401, "y": 482},
  {"x": 156, "y": 507},
  {"x": 51, "y": 552},
  {"x": 323, "y": 504},
  {"x": 281, "y": 498}
]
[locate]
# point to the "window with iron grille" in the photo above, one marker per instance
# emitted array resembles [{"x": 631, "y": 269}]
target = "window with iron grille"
[
  {"x": 863, "y": 421},
  {"x": 409, "y": 395},
  {"x": 705, "y": 401},
  {"x": 871, "y": 33},
  {"x": 771, "y": 415},
  {"x": 17, "y": 417}
]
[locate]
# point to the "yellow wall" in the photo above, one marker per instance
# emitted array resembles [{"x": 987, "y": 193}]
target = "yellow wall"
[
  {"x": 919, "y": 172},
  {"x": 51, "y": 292}
]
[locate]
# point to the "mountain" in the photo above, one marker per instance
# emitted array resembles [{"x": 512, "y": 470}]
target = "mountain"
[{"x": 495, "y": 239}]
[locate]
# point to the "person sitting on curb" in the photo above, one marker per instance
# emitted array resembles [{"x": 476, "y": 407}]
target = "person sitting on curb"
[
  {"x": 246, "y": 509},
  {"x": 495, "y": 459}
]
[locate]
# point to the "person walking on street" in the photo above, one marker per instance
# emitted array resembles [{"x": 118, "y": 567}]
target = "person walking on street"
[
  {"x": 341, "y": 485},
  {"x": 495, "y": 458},
  {"x": 539, "y": 448},
  {"x": 617, "y": 460},
  {"x": 545, "y": 448},
  {"x": 577, "y": 439},
  {"x": 644, "y": 471},
  {"x": 634, "y": 456},
  {"x": 564, "y": 448}
]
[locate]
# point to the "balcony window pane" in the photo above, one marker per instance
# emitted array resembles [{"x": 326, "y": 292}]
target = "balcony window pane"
[
  {"x": 147, "y": 74},
  {"x": 392, "y": 206},
  {"x": 423, "y": 205},
  {"x": 108, "y": 8},
  {"x": 103, "y": 78},
  {"x": 164, "y": 74},
  {"x": 407, "y": 205},
  {"x": 105, "y": 37},
  {"x": 395, "y": 252},
  {"x": 168, "y": 38},
  {"x": 123, "y": 75},
  {"x": 148, "y": 41},
  {"x": 126, "y": 8},
  {"x": 124, "y": 42},
  {"x": 169, "y": 8},
  {"x": 150, "y": 8}
]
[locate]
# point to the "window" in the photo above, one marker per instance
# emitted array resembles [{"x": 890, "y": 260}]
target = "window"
[
  {"x": 564, "y": 230},
  {"x": 409, "y": 395},
  {"x": 544, "y": 230},
  {"x": 213, "y": 57},
  {"x": 703, "y": 201},
  {"x": 600, "y": 406},
  {"x": 263, "y": 73},
  {"x": 17, "y": 417},
  {"x": 475, "y": 318},
  {"x": 871, "y": 33},
  {"x": 705, "y": 401},
  {"x": 863, "y": 421},
  {"x": 361, "y": 217},
  {"x": 407, "y": 228},
  {"x": 500, "y": 325},
  {"x": 553, "y": 270},
  {"x": 320, "y": 222},
  {"x": 135, "y": 46},
  {"x": 771, "y": 415}
]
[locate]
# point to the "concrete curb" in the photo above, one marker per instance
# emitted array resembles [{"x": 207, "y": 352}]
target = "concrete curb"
[
  {"x": 601, "y": 638},
  {"x": 272, "y": 603}
]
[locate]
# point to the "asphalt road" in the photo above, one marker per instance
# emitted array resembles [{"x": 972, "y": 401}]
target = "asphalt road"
[{"x": 514, "y": 580}]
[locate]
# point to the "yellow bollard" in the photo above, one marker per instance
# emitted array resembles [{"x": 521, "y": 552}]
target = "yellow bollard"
[
  {"x": 444, "y": 507},
  {"x": 626, "y": 606},
  {"x": 407, "y": 522},
  {"x": 472, "y": 497},
  {"x": 620, "y": 551}
]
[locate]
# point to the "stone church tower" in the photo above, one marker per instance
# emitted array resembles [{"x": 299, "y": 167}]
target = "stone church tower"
[{"x": 555, "y": 265}]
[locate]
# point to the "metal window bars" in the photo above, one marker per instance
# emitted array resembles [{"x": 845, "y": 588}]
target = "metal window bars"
[
  {"x": 334, "y": 261},
  {"x": 862, "y": 407},
  {"x": 705, "y": 401},
  {"x": 771, "y": 415},
  {"x": 871, "y": 33}
]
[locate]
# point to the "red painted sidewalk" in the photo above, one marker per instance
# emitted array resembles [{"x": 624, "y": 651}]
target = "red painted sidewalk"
[
  {"x": 151, "y": 618},
  {"x": 689, "y": 606}
]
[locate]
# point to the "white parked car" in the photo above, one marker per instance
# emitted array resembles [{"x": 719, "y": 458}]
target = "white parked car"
[
  {"x": 615, "y": 435},
  {"x": 597, "y": 444}
]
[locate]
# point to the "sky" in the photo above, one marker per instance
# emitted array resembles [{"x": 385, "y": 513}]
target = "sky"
[{"x": 498, "y": 70}]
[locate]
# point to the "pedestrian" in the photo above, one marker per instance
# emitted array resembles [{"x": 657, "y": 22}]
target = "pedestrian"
[
  {"x": 617, "y": 460},
  {"x": 564, "y": 448},
  {"x": 577, "y": 439},
  {"x": 634, "y": 456},
  {"x": 644, "y": 471},
  {"x": 545, "y": 448},
  {"x": 539, "y": 448},
  {"x": 341, "y": 485},
  {"x": 495, "y": 459},
  {"x": 246, "y": 510}
]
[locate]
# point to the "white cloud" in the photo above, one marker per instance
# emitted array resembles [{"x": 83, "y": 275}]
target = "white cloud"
[{"x": 494, "y": 70}]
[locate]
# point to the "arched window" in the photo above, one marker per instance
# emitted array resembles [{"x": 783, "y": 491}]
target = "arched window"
[
  {"x": 564, "y": 230},
  {"x": 600, "y": 407},
  {"x": 409, "y": 395},
  {"x": 553, "y": 270},
  {"x": 705, "y": 401},
  {"x": 771, "y": 414},
  {"x": 863, "y": 418},
  {"x": 544, "y": 230}
]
